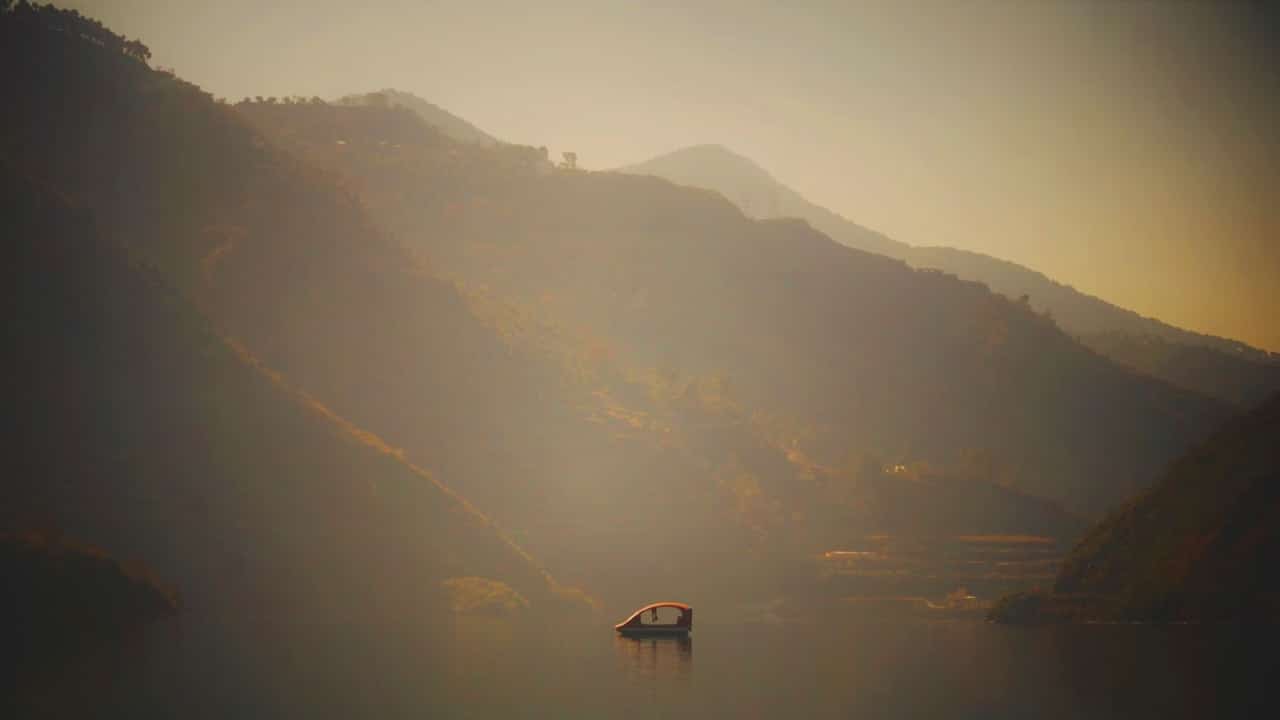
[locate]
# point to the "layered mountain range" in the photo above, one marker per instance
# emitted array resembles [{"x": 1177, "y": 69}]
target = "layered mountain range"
[
  {"x": 318, "y": 362},
  {"x": 595, "y": 463},
  {"x": 1220, "y": 367},
  {"x": 869, "y": 354}
]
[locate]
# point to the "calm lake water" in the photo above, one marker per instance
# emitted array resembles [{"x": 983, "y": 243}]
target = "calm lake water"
[{"x": 839, "y": 666}]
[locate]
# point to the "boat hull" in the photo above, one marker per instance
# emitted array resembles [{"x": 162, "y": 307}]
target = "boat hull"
[{"x": 652, "y": 631}]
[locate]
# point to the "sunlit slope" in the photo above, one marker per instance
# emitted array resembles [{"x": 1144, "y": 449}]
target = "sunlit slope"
[
  {"x": 884, "y": 359},
  {"x": 138, "y": 428},
  {"x": 610, "y": 441},
  {"x": 759, "y": 195},
  {"x": 1199, "y": 546}
]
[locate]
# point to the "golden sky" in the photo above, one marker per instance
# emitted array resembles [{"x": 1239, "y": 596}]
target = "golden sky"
[{"x": 1126, "y": 148}]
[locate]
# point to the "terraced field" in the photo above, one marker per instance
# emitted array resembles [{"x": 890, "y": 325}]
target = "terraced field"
[{"x": 956, "y": 572}]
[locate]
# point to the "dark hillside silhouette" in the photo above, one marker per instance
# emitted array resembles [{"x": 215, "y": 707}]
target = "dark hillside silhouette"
[
  {"x": 882, "y": 358},
  {"x": 61, "y": 600},
  {"x": 59, "y": 593},
  {"x": 136, "y": 427},
  {"x": 141, "y": 429},
  {"x": 1199, "y": 546}
]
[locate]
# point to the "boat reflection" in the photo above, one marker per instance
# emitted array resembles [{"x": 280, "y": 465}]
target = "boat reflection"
[{"x": 655, "y": 657}]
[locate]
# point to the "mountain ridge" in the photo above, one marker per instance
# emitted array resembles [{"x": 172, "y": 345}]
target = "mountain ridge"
[
  {"x": 446, "y": 122},
  {"x": 753, "y": 189},
  {"x": 679, "y": 277}
]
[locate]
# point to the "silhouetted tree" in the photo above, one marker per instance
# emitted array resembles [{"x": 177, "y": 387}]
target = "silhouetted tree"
[{"x": 135, "y": 49}]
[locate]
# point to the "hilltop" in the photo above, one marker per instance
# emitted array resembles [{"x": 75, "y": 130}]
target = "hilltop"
[{"x": 437, "y": 117}]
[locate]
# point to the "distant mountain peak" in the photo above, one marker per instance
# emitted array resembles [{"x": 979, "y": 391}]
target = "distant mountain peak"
[
  {"x": 443, "y": 120},
  {"x": 708, "y": 158},
  {"x": 758, "y": 194}
]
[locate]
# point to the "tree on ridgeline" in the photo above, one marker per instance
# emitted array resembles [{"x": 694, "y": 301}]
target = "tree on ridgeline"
[{"x": 73, "y": 23}]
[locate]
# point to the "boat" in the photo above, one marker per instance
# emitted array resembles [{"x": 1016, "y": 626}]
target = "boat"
[{"x": 645, "y": 621}]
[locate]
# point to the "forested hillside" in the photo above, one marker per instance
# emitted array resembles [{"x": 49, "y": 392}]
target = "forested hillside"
[
  {"x": 1199, "y": 546},
  {"x": 139, "y": 427},
  {"x": 618, "y": 477},
  {"x": 155, "y": 169},
  {"x": 876, "y": 357}
]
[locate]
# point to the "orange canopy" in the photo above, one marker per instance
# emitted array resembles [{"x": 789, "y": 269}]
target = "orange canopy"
[{"x": 671, "y": 604}]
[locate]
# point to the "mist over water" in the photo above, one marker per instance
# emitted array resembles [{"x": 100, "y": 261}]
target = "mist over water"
[{"x": 834, "y": 666}]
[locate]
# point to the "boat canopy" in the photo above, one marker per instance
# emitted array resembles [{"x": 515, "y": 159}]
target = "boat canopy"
[{"x": 686, "y": 612}]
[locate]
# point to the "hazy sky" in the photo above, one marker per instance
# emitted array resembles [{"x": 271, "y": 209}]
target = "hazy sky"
[{"x": 1127, "y": 148}]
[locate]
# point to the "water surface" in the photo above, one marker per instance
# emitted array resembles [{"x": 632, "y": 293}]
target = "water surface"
[{"x": 839, "y": 665}]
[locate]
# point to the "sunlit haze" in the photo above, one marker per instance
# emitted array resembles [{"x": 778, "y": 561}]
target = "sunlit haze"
[
  {"x": 1127, "y": 149},
  {"x": 628, "y": 360}
]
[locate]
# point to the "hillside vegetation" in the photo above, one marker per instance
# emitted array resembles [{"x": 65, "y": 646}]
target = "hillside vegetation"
[
  {"x": 1199, "y": 546},
  {"x": 140, "y": 427},
  {"x": 282, "y": 258},
  {"x": 615, "y": 473},
  {"x": 126, "y": 393}
]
